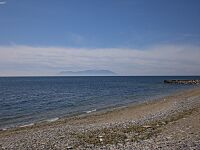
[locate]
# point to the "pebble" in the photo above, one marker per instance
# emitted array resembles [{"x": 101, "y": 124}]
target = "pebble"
[
  {"x": 146, "y": 126},
  {"x": 60, "y": 137}
]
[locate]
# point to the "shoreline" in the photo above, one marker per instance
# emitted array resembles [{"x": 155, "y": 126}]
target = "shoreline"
[
  {"x": 79, "y": 128},
  {"x": 95, "y": 111}
]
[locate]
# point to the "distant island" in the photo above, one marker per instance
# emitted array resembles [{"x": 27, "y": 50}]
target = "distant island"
[{"x": 88, "y": 73}]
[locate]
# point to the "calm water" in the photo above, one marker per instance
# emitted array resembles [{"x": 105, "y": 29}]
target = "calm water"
[{"x": 24, "y": 100}]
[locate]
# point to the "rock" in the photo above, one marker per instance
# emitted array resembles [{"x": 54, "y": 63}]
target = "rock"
[
  {"x": 69, "y": 147},
  {"x": 120, "y": 144},
  {"x": 182, "y": 81},
  {"x": 100, "y": 139},
  {"x": 146, "y": 126},
  {"x": 163, "y": 122}
]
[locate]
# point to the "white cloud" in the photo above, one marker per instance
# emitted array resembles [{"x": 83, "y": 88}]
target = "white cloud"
[
  {"x": 159, "y": 60},
  {"x": 2, "y": 2}
]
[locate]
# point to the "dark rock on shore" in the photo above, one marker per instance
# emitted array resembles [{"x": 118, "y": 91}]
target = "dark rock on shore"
[{"x": 182, "y": 81}]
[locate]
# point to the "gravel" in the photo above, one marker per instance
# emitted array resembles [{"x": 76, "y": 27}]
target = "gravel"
[{"x": 175, "y": 126}]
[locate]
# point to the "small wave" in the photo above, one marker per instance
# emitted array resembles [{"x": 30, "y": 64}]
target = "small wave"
[
  {"x": 52, "y": 119},
  {"x": 26, "y": 125},
  {"x": 90, "y": 111},
  {"x": 3, "y": 129}
]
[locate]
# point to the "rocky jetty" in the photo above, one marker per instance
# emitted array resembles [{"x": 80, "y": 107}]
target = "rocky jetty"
[{"x": 182, "y": 81}]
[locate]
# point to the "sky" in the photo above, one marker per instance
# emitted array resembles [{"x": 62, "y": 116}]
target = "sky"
[{"x": 128, "y": 37}]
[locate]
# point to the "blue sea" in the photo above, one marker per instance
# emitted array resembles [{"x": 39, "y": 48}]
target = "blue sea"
[{"x": 27, "y": 100}]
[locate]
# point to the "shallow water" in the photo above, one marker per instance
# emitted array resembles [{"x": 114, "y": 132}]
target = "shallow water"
[{"x": 24, "y": 100}]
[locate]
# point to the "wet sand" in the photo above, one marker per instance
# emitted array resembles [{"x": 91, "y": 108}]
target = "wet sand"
[{"x": 171, "y": 122}]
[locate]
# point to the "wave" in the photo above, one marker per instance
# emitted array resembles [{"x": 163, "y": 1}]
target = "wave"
[
  {"x": 52, "y": 119},
  {"x": 90, "y": 111},
  {"x": 26, "y": 125},
  {"x": 3, "y": 129}
]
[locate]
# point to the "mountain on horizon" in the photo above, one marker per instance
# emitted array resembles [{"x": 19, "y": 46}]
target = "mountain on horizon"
[{"x": 88, "y": 73}]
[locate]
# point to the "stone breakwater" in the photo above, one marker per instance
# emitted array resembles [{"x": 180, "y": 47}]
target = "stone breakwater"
[{"x": 182, "y": 81}]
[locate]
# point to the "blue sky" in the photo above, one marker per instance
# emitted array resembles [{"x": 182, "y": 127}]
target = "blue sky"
[{"x": 111, "y": 26}]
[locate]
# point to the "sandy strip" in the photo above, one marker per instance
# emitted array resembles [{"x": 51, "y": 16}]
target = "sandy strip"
[{"x": 134, "y": 126}]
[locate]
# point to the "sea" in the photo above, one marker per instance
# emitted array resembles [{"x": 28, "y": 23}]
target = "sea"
[{"x": 28, "y": 100}]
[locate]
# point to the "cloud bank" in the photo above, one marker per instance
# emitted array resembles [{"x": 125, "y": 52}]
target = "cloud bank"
[{"x": 159, "y": 60}]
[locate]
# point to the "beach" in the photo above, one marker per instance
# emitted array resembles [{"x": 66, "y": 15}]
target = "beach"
[{"x": 171, "y": 122}]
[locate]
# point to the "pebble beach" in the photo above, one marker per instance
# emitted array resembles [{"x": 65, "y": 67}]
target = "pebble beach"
[{"x": 171, "y": 122}]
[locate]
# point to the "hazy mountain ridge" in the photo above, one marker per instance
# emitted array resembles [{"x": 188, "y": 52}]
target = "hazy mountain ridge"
[{"x": 88, "y": 73}]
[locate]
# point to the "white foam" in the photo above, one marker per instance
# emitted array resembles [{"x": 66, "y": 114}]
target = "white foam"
[
  {"x": 3, "y": 129},
  {"x": 26, "y": 125},
  {"x": 90, "y": 111},
  {"x": 52, "y": 119}
]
